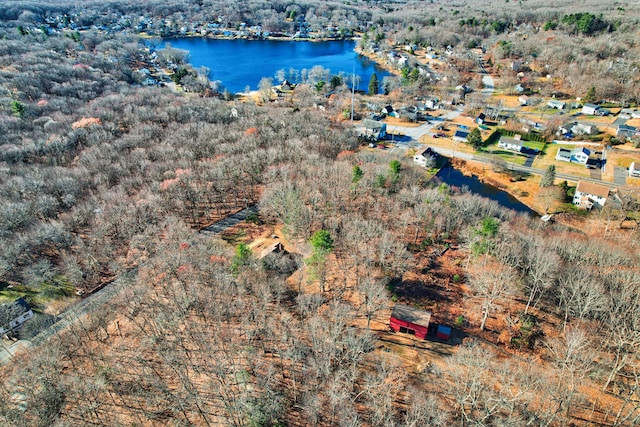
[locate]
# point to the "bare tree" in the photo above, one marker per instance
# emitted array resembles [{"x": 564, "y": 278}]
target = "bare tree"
[{"x": 492, "y": 282}]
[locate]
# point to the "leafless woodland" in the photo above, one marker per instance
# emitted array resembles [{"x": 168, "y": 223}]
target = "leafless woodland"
[{"x": 99, "y": 176}]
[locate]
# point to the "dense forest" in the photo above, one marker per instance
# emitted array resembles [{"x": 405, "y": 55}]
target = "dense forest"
[{"x": 106, "y": 183}]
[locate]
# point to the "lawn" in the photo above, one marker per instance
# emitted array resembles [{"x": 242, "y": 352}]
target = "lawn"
[
  {"x": 509, "y": 156},
  {"x": 535, "y": 145}
]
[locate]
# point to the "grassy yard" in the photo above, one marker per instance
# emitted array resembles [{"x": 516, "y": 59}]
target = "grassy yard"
[
  {"x": 41, "y": 295},
  {"x": 509, "y": 156},
  {"x": 535, "y": 145}
]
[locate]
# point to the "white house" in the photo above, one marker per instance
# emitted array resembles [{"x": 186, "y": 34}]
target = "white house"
[
  {"x": 554, "y": 103},
  {"x": 431, "y": 103},
  {"x": 634, "y": 169},
  {"x": 590, "y": 109},
  {"x": 512, "y": 144},
  {"x": 577, "y": 155},
  {"x": 584, "y": 129},
  {"x": 13, "y": 315},
  {"x": 577, "y": 129},
  {"x": 626, "y": 113},
  {"x": 580, "y": 155},
  {"x": 423, "y": 158},
  {"x": 589, "y": 194},
  {"x": 523, "y": 100}
]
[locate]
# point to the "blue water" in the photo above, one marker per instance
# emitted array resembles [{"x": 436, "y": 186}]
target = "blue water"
[
  {"x": 454, "y": 178},
  {"x": 241, "y": 63}
]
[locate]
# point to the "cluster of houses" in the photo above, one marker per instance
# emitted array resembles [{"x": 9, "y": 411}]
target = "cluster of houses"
[{"x": 166, "y": 27}]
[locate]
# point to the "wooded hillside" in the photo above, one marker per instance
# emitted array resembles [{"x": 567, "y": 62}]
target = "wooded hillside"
[{"x": 104, "y": 182}]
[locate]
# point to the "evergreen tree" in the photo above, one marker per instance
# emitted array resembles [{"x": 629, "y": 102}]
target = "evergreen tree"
[
  {"x": 373, "y": 84},
  {"x": 590, "y": 95},
  {"x": 357, "y": 174},
  {"x": 475, "y": 138}
]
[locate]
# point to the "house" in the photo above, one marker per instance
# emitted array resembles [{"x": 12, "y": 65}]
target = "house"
[
  {"x": 553, "y": 103},
  {"x": 273, "y": 248},
  {"x": 580, "y": 155},
  {"x": 461, "y": 135},
  {"x": 512, "y": 144},
  {"x": 481, "y": 118},
  {"x": 13, "y": 315},
  {"x": 626, "y": 113},
  {"x": 563, "y": 155},
  {"x": 577, "y": 128},
  {"x": 387, "y": 110},
  {"x": 634, "y": 169},
  {"x": 431, "y": 103},
  {"x": 523, "y": 100},
  {"x": 285, "y": 85},
  {"x": 590, "y": 194},
  {"x": 410, "y": 320},
  {"x": 374, "y": 130},
  {"x": 583, "y": 129},
  {"x": 590, "y": 109},
  {"x": 577, "y": 155},
  {"x": 626, "y": 132},
  {"x": 425, "y": 157},
  {"x": 519, "y": 88}
]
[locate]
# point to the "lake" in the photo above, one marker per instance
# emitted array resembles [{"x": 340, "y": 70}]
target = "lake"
[
  {"x": 454, "y": 178},
  {"x": 240, "y": 63}
]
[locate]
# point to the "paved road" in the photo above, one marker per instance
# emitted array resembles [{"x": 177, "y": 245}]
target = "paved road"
[
  {"x": 513, "y": 166},
  {"x": 416, "y": 132}
]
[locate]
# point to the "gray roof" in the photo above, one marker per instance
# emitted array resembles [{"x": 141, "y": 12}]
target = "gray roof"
[{"x": 410, "y": 314}]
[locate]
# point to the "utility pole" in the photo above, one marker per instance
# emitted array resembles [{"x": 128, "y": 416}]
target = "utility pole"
[{"x": 353, "y": 89}]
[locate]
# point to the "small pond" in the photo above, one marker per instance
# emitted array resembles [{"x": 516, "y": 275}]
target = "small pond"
[{"x": 454, "y": 178}]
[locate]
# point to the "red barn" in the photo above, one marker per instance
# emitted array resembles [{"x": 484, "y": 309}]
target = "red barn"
[{"x": 410, "y": 320}]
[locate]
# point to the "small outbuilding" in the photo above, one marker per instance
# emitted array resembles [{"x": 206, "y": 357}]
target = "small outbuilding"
[{"x": 410, "y": 320}]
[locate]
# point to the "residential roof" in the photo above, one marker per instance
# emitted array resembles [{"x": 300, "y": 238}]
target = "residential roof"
[
  {"x": 512, "y": 141},
  {"x": 627, "y": 127},
  {"x": 592, "y": 188},
  {"x": 581, "y": 150},
  {"x": 461, "y": 134},
  {"x": 428, "y": 152},
  {"x": 372, "y": 124},
  {"x": 589, "y": 105},
  {"x": 410, "y": 314}
]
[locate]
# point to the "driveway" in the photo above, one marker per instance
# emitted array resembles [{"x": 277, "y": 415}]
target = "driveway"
[
  {"x": 620, "y": 175},
  {"x": 595, "y": 174},
  {"x": 230, "y": 221}
]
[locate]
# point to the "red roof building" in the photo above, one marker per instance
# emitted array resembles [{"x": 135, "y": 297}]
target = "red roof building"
[{"x": 410, "y": 320}]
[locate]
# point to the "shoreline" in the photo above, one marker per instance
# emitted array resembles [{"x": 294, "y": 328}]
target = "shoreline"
[{"x": 357, "y": 49}]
